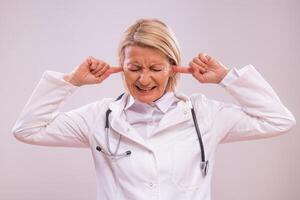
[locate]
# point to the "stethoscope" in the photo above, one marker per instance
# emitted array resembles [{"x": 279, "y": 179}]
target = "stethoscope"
[{"x": 203, "y": 164}]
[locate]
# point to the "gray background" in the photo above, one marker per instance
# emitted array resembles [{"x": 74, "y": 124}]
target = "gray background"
[{"x": 59, "y": 35}]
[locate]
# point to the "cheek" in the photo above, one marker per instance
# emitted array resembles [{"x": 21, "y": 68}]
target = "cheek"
[
  {"x": 163, "y": 79},
  {"x": 130, "y": 78}
]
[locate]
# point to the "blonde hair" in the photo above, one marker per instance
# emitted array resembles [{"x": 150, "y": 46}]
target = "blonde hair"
[{"x": 153, "y": 33}]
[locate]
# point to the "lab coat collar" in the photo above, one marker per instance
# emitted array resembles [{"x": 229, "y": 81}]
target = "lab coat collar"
[
  {"x": 163, "y": 103},
  {"x": 180, "y": 114},
  {"x": 120, "y": 125}
]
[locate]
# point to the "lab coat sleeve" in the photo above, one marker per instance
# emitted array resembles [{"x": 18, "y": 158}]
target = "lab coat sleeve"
[
  {"x": 42, "y": 123},
  {"x": 260, "y": 113}
]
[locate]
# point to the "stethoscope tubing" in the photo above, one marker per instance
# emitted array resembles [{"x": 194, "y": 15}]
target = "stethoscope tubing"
[{"x": 203, "y": 165}]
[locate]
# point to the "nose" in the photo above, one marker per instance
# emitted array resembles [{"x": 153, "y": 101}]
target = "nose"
[{"x": 145, "y": 78}]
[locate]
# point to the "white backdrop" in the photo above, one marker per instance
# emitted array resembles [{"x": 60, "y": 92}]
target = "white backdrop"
[{"x": 58, "y": 35}]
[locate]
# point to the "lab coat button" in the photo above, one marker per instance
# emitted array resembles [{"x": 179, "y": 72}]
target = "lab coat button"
[
  {"x": 185, "y": 112},
  {"x": 151, "y": 185}
]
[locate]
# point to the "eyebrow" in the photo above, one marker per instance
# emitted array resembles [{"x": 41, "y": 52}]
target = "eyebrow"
[
  {"x": 133, "y": 63},
  {"x": 137, "y": 63}
]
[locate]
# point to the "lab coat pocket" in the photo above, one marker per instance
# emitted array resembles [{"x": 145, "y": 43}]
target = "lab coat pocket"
[{"x": 186, "y": 172}]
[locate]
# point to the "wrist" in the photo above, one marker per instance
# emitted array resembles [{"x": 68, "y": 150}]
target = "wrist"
[
  {"x": 70, "y": 79},
  {"x": 223, "y": 74}
]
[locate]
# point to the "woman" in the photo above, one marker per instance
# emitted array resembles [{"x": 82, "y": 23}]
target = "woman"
[{"x": 150, "y": 148}]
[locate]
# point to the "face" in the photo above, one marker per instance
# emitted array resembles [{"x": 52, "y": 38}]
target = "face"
[{"x": 146, "y": 72}]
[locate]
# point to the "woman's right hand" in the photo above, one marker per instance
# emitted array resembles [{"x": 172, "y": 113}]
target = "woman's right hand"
[{"x": 91, "y": 71}]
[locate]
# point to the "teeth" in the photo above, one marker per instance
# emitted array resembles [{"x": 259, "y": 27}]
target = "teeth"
[{"x": 144, "y": 89}]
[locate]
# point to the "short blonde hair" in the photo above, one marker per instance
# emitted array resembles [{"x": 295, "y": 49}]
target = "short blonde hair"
[{"x": 153, "y": 33}]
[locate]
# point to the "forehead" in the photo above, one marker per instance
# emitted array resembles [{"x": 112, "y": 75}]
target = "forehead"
[{"x": 144, "y": 54}]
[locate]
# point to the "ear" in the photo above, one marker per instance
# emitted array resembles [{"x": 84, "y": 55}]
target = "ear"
[
  {"x": 121, "y": 63},
  {"x": 121, "y": 60},
  {"x": 171, "y": 70}
]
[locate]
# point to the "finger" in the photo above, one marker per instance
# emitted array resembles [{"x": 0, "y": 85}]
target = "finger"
[
  {"x": 88, "y": 60},
  {"x": 93, "y": 59},
  {"x": 103, "y": 77},
  {"x": 94, "y": 67},
  {"x": 197, "y": 68},
  {"x": 94, "y": 63},
  {"x": 115, "y": 69},
  {"x": 102, "y": 70},
  {"x": 199, "y": 62},
  {"x": 199, "y": 77},
  {"x": 98, "y": 68},
  {"x": 204, "y": 57},
  {"x": 179, "y": 69}
]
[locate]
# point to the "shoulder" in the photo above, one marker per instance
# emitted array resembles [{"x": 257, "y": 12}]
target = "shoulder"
[
  {"x": 201, "y": 101},
  {"x": 94, "y": 108},
  {"x": 203, "y": 104}
]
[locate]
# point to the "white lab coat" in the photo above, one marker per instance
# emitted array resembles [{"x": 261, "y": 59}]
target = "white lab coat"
[{"x": 167, "y": 165}]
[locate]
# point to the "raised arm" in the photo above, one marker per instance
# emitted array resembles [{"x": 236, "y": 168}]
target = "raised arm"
[
  {"x": 259, "y": 114},
  {"x": 41, "y": 121}
]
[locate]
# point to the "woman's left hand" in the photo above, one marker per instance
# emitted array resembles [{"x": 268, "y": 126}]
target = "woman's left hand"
[{"x": 205, "y": 69}]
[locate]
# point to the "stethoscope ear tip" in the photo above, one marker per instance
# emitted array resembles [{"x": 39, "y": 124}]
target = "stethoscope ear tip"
[
  {"x": 98, "y": 148},
  {"x": 127, "y": 153}
]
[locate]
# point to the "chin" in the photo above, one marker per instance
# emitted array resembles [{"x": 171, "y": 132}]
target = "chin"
[{"x": 146, "y": 97}]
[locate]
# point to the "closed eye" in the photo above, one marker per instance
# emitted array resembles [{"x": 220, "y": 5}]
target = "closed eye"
[
  {"x": 134, "y": 68},
  {"x": 156, "y": 70}
]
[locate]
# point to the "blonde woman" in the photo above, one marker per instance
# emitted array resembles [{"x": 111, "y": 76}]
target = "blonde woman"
[{"x": 153, "y": 142}]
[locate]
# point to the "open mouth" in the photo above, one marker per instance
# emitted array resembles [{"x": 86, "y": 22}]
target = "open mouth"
[{"x": 144, "y": 90}]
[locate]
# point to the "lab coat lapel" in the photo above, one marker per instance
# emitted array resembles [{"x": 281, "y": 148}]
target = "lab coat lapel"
[
  {"x": 120, "y": 125},
  {"x": 179, "y": 115}
]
